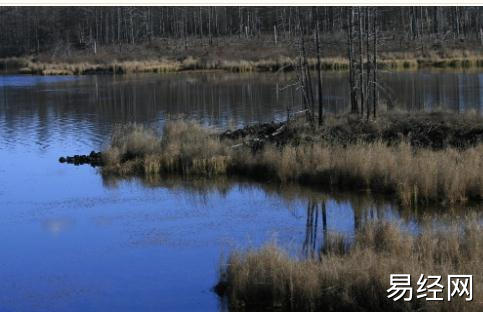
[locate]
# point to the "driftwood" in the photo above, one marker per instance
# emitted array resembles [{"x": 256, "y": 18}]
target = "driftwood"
[
  {"x": 94, "y": 159},
  {"x": 279, "y": 130}
]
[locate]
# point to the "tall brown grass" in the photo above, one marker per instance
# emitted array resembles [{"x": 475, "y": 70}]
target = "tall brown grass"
[
  {"x": 355, "y": 276},
  {"x": 414, "y": 175},
  {"x": 184, "y": 148}
]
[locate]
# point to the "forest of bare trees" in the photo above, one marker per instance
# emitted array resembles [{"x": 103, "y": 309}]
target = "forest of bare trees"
[
  {"x": 362, "y": 32},
  {"x": 29, "y": 30}
]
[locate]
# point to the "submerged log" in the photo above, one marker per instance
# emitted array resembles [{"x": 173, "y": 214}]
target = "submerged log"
[{"x": 94, "y": 159}]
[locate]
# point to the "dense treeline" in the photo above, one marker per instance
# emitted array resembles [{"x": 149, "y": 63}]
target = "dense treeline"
[{"x": 28, "y": 30}]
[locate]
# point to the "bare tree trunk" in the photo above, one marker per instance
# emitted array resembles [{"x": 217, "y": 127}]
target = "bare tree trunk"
[
  {"x": 217, "y": 28},
  {"x": 457, "y": 17},
  {"x": 119, "y": 40},
  {"x": 118, "y": 25},
  {"x": 374, "y": 61},
  {"x": 131, "y": 24},
  {"x": 185, "y": 29},
  {"x": 435, "y": 20},
  {"x": 201, "y": 24},
  {"x": 350, "y": 45},
  {"x": 479, "y": 29},
  {"x": 304, "y": 79},
  {"x": 421, "y": 27},
  {"x": 361, "y": 62},
  {"x": 290, "y": 22},
  {"x": 310, "y": 94},
  {"x": 275, "y": 33},
  {"x": 146, "y": 24},
  {"x": 319, "y": 76},
  {"x": 106, "y": 28},
  {"x": 240, "y": 21},
  {"x": 413, "y": 24},
  {"x": 209, "y": 26},
  {"x": 421, "y": 20},
  {"x": 37, "y": 41},
  {"x": 368, "y": 68}
]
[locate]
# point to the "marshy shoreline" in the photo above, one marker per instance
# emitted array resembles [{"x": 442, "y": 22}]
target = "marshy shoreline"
[
  {"x": 352, "y": 274},
  {"x": 419, "y": 159},
  {"x": 31, "y": 66},
  {"x": 230, "y": 55}
]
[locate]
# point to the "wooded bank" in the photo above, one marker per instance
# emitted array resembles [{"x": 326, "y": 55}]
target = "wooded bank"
[{"x": 61, "y": 31}]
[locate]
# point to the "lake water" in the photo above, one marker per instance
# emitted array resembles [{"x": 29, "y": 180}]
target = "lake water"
[{"x": 71, "y": 240}]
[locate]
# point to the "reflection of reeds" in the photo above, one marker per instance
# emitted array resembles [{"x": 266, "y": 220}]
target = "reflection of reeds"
[
  {"x": 355, "y": 277},
  {"x": 415, "y": 175}
]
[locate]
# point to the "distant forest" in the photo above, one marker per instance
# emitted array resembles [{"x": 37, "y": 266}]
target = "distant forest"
[{"x": 30, "y": 30}]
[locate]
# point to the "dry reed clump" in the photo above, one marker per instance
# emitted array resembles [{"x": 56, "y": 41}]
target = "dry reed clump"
[
  {"x": 184, "y": 148},
  {"x": 356, "y": 278},
  {"x": 127, "y": 148},
  {"x": 414, "y": 175},
  {"x": 189, "y": 148},
  {"x": 115, "y": 67},
  {"x": 146, "y": 66},
  {"x": 12, "y": 63},
  {"x": 282, "y": 63}
]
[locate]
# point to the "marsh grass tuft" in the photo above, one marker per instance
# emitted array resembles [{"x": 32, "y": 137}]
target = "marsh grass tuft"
[
  {"x": 184, "y": 148},
  {"x": 356, "y": 278}
]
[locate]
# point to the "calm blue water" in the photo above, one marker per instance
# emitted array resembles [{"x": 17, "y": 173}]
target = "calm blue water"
[{"x": 73, "y": 241}]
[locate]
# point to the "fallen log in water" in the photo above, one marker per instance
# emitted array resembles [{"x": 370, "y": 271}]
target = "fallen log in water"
[{"x": 94, "y": 159}]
